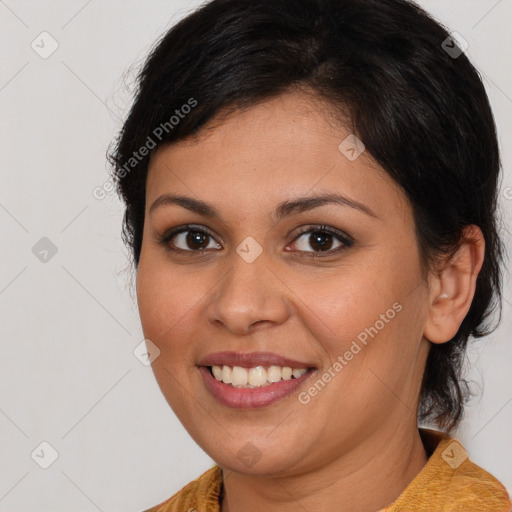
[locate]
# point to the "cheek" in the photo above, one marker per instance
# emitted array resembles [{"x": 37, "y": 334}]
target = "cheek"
[
  {"x": 167, "y": 300},
  {"x": 365, "y": 303},
  {"x": 373, "y": 323},
  {"x": 343, "y": 307}
]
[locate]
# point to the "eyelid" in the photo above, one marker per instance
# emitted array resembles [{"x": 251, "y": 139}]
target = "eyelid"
[{"x": 189, "y": 227}]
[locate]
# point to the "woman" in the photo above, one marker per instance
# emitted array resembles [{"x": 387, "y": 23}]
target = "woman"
[{"x": 310, "y": 192}]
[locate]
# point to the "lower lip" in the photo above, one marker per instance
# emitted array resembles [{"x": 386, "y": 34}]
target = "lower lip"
[{"x": 250, "y": 398}]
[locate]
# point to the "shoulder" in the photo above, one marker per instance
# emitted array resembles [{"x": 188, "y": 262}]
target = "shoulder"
[
  {"x": 200, "y": 495},
  {"x": 451, "y": 482}
]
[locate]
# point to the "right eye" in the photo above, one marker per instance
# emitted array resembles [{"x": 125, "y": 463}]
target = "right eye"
[{"x": 189, "y": 239}]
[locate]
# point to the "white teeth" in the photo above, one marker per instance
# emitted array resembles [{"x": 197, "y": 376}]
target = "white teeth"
[
  {"x": 217, "y": 372},
  {"x": 286, "y": 372},
  {"x": 274, "y": 374},
  {"x": 298, "y": 372},
  {"x": 239, "y": 376},
  {"x": 255, "y": 377},
  {"x": 226, "y": 374}
]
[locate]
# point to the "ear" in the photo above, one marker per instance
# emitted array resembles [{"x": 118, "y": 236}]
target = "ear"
[{"x": 453, "y": 286}]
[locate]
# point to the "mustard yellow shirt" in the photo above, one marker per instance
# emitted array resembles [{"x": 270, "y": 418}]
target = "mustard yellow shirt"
[{"x": 449, "y": 482}]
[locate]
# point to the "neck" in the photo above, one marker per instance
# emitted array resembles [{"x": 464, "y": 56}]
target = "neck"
[{"x": 371, "y": 477}]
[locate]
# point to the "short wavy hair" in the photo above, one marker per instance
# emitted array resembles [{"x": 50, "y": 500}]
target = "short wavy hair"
[{"x": 411, "y": 95}]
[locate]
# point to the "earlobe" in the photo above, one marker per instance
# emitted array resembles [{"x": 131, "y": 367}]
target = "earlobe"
[{"x": 453, "y": 287}]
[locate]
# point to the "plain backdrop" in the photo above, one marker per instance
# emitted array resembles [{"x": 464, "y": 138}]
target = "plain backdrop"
[{"x": 69, "y": 325}]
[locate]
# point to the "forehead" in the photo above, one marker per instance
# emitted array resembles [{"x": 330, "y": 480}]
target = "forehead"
[{"x": 285, "y": 147}]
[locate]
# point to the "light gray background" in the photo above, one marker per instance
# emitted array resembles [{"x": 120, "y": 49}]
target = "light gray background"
[{"x": 68, "y": 375}]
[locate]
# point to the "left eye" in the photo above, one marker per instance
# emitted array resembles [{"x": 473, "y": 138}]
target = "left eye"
[{"x": 321, "y": 240}]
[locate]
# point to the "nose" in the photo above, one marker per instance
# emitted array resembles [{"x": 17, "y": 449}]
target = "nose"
[{"x": 248, "y": 298}]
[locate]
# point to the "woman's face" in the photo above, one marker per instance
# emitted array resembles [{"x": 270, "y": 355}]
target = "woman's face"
[{"x": 334, "y": 286}]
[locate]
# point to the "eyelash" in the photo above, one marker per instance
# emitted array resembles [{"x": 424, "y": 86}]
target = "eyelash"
[{"x": 345, "y": 240}]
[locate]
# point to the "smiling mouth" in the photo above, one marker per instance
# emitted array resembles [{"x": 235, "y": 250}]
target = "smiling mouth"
[{"x": 256, "y": 376}]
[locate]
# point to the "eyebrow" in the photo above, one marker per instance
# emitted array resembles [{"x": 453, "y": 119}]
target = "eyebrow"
[{"x": 284, "y": 209}]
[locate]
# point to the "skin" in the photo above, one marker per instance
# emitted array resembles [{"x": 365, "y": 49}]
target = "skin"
[{"x": 358, "y": 437}]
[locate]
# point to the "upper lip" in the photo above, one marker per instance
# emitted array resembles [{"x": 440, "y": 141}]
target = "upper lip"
[{"x": 250, "y": 359}]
